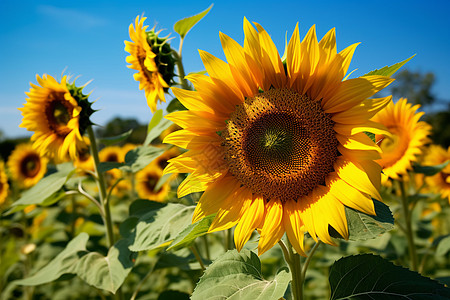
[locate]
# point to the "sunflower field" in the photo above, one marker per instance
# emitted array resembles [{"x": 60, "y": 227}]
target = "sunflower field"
[{"x": 266, "y": 176}]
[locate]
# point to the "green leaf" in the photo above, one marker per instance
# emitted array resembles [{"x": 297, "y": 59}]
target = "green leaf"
[
  {"x": 186, "y": 237},
  {"x": 156, "y": 126},
  {"x": 45, "y": 191},
  {"x": 108, "y": 141},
  {"x": 109, "y": 165},
  {"x": 157, "y": 228},
  {"x": 362, "y": 226},
  {"x": 371, "y": 136},
  {"x": 107, "y": 273},
  {"x": 430, "y": 170},
  {"x": 389, "y": 70},
  {"x": 64, "y": 263},
  {"x": 183, "y": 26},
  {"x": 237, "y": 275},
  {"x": 443, "y": 246},
  {"x": 369, "y": 276},
  {"x": 140, "y": 157},
  {"x": 175, "y": 105}
]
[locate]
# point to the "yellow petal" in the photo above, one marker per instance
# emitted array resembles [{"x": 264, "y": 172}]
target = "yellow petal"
[
  {"x": 190, "y": 140},
  {"x": 273, "y": 228},
  {"x": 293, "y": 57},
  {"x": 194, "y": 122},
  {"x": 197, "y": 182},
  {"x": 363, "y": 112},
  {"x": 251, "y": 218},
  {"x": 294, "y": 226},
  {"x": 359, "y": 141}
]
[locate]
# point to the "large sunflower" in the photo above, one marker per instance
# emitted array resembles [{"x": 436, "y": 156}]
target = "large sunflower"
[
  {"x": 406, "y": 141},
  {"x": 27, "y": 167},
  {"x": 279, "y": 147},
  {"x": 439, "y": 183},
  {"x": 144, "y": 59},
  {"x": 54, "y": 115},
  {"x": 4, "y": 186}
]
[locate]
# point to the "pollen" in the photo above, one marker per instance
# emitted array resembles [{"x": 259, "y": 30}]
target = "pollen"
[{"x": 280, "y": 144}]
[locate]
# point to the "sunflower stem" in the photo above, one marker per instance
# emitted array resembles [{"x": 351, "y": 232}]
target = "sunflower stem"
[
  {"x": 295, "y": 265},
  {"x": 308, "y": 259},
  {"x": 409, "y": 231},
  {"x": 182, "y": 74},
  {"x": 198, "y": 257}
]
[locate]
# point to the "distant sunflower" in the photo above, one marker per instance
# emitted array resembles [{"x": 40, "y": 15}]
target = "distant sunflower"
[
  {"x": 146, "y": 180},
  {"x": 151, "y": 56},
  {"x": 27, "y": 167},
  {"x": 406, "y": 141},
  {"x": 115, "y": 154},
  {"x": 56, "y": 118},
  {"x": 439, "y": 183},
  {"x": 279, "y": 147},
  {"x": 84, "y": 160},
  {"x": 4, "y": 186}
]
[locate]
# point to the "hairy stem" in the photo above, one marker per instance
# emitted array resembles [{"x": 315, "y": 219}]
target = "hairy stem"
[{"x": 408, "y": 227}]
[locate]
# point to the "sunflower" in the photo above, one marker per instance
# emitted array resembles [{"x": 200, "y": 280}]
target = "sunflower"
[
  {"x": 146, "y": 180},
  {"x": 27, "y": 167},
  {"x": 4, "y": 186},
  {"x": 84, "y": 161},
  {"x": 406, "y": 140},
  {"x": 151, "y": 56},
  {"x": 440, "y": 182},
  {"x": 115, "y": 154},
  {"x": 279, "y": 147},
  {"x": 55, "y": 116}
]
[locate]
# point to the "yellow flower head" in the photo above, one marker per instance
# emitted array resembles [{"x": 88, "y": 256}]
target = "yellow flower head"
[
  {"x": 406, "y": 139},
  {"x": 4, "y": 186},
  {"x": 146, "y": 180},
  {"x": 27, "y": 167},
  {"x": 58, "y": 116},
  {"x": 439, "y": 183},
  {"x": 115, "y": 154},
  {"x": 151, "y": 56},
  {"x": 279, "y": 147}
]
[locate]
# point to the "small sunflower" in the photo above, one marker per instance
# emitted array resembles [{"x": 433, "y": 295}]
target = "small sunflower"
[
  {"x": 439, "y": 183},
  {"x": 58, "y": 113},
  {"x": 115, "y": 154},
  {"x": 4, "y": 186},
  {"x": 27, "y": 167},
  {"x": 279, "y": 147},
  {"x": 146, "y": 180},
  {"x": 152, "y": 57},
  {"x": 406, "y": 141}
]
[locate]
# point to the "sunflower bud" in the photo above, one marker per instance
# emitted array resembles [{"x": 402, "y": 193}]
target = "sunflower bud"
[{"x": 164, "y": 59}]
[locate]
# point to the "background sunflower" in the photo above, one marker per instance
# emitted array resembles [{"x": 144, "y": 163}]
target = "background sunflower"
[{"x": 27, "y": 167}]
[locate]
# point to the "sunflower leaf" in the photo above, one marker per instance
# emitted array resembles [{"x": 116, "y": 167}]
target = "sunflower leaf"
[
  {"x": 159, "y": 226},
  {"x": 237, "y": 275},
  {"x": 443, "y": 246},
  {"x": 191, "y": 232},
  {"x": 389, "y": 70},
  {"x": 45, "y": 192},
  {"x": 140, "y": 157},
  {"x": 430, "y": 170},
  {"x": 156, "y": 126},
  {"x": 183, "y": 26},
  {"x": 362, "y": 226},
  {"x": 108, "y": 141},
  {"x": 64, "y": 263},
  {"x": 368, "y": 276}
]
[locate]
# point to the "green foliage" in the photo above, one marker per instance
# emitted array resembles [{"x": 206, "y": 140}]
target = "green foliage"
[
  {"x": 140, "y": 157},
  {"x": 237, "y": 275},
  {"x": 362, "y": 226},
  {"x": 183, "y": 26},
  {"x": 45, "y": 192},
  {"x": 415, "y": 86},
  {"x": 156, "y": 126},
  {"x": 369, "y": 276},
  {"x": 389, "y": 70},
  {"x": 186, "y": 237},
  {"x": 430, "y": 170},
  {"x": 444, "y": 246},
  {"x": 108, "y": 141}
]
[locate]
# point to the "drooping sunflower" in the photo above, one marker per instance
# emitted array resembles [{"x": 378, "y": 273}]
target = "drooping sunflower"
[
  {"x": 440, "y": 182},
  {"x": 152, "y": 57},
  {"x": 146, "y": 180},
  {"x": 279, "y": 147},
  {"x": 57, "y": 116},
  {"x": 4, "y": 186},
  {"x": 27, "y": 167},
  {"x": 406, "y": 141}
]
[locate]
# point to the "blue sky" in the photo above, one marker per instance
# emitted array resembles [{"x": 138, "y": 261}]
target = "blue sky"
[{"x": 86, "y": 39}]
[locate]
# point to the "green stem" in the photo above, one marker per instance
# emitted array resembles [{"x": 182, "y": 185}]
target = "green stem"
[
  {"x": 409, "y": 231},
  {"x": 296, "y": 269},
  {"x": 308, "y": 259},
  {"x": 205, "y": 242},
  {"x": 182, "y": 74},
  {"x": 197, "y": 256}
]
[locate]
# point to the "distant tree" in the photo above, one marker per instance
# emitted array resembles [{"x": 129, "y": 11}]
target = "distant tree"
[
  {"x": 118, "y": 126},
  {"x": 441, "y": 126},
  {"x": 415, "y": 86}
]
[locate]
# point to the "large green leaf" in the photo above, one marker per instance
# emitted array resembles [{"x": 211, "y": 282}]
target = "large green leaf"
[
  {"x": 157, "y": 228},
  {"x": 107, "y": 141},
  {"x": 389, "y": 70},
  {"x": 64, "y": 263},
  {"x": 430, "y": 170},
  {"x": 362, "y": 226},
  {"x": 107, "y": 273},
  {"x": 237, "y": 275},
  {"x": 156, "y": 126},
  {"x": 44, "y": 192},
  {"x": 183, "y": 26},
  {"x": 443, "y": 246},
  {"x": 190, "y": 233},
  {"x": 368, "y": 276},
  {"x": 140, "y": 157}
]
